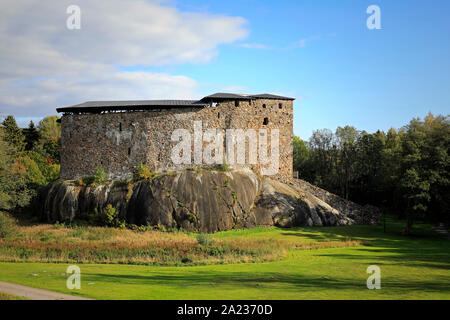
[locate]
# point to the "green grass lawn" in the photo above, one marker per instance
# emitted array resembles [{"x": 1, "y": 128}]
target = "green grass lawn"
[{"x": 411, "y": 268}]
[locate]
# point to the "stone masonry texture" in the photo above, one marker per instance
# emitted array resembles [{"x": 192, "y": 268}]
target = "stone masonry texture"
[{"x": 119, "y": 141}]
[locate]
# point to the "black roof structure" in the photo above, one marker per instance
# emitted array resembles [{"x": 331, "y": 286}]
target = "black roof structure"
[
  {"x": 132, "y": 105},
  {"x": 270, "y": 96},
  {"x": 139, "y": 105},
  {"x": 234, "y": 96},
  {"x": 226, "y": 96}
]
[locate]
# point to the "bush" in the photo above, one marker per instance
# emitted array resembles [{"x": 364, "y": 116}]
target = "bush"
[
  {"x": 86, "y": 181},
  {"x": 143, "y": 172},
  {"x": 224, "y": 167},
  {"x": 8, "y": 226},
  {"x": 100, "y": 176},
  {"x": 142, "y": 228},
  {"x": 204, "y": 239},
  {"x": 111, "y": 217}
]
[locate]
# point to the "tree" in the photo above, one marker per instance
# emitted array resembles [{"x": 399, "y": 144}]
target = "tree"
[
  {"x": 322, "y": 157},
  {"x": 301, "y": 156},
  {"x": 31, "y": 136},
  {"x": 13, "y": 185},
  {"x": 50, "y": 129},
  {"x": 48, "y": 168},
  {"x": 34, "y": 176},
  {"x": 391, "y": 161},
  {"x": 346, "y": 140},
  {"x": 13, "y": 134},
  {"x": 5, "y": 166},
  {"x": 370, "y": 154},
  {"x": 425, "y": 165},
  {"x": 23, "y": 170},
  {"x": 437, "y": 163},
  {"x": 50, "y": 132},
  {"x": 407, "y": 170},
  {"x": 52, "y": 149}
]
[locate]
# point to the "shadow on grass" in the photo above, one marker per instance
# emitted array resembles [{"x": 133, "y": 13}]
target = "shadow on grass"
[
  {"x": 424, "y": 249},
  {"x": 267, "y": 281}
]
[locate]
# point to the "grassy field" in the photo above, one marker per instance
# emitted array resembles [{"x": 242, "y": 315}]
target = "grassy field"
[
  {"x": 88, "y": 244},
  {"x": 4, "y": 296},
  {"x": 411, "y": 268}
]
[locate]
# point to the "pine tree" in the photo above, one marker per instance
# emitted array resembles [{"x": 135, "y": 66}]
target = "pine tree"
[
  {"x": 31, "y": 136},
  {"x": 13, "y": 134}
]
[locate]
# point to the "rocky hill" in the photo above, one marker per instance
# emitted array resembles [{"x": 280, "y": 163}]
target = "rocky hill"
[{"x": 204, "y": 200}]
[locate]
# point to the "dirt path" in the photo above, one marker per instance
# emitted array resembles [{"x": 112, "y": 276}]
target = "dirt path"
[{"x": 35, "y": 294}]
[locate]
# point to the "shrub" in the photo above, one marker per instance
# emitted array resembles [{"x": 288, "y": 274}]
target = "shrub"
[
  {"x": 111, "y": 217},
  {"x": 224, "y": 167},
  {"x": 8, "y": 226},
  {"x": 87, "y": 181},
  {"x": 186, "y": 260},
  {"x": 143, "y": 172},
  {"x": 142, "y": 228},
  {"x": 204, "y": 239},
  {"x": 100, "y": 176},
  {"x": 121, "y": 183}
]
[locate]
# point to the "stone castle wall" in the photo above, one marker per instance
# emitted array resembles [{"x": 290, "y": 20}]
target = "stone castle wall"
[{"x": 118, "y": 142}]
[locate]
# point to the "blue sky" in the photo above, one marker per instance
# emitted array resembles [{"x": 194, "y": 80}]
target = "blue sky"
[
  {"x": 320, "y": 52},
  {"x": 345, "y": 73}
]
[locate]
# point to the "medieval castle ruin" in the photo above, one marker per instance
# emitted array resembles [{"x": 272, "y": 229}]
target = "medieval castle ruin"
[{"x": 119, "y": 135}]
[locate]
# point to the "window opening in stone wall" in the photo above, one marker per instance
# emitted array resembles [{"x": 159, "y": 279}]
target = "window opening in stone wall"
[
  {"x": 120, "y": 126},
  {"x": 129, "y": 151},
  {"x": 266, "y": 121},
  {"x": 264, "y": 105},
  {"x": 236, "y": 103},
  {"x": 218, "y": 115},
  {"x": 280, "y": 105}
]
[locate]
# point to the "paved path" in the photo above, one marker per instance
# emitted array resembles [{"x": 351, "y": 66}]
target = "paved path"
[
  {"x": 35, "y": 294},
  {"x": 442, "y": 231}
]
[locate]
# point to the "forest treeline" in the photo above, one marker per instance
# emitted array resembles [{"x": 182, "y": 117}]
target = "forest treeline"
[
  {"x": 29, "y": 159},
  {"x": 405, "y": 170}
]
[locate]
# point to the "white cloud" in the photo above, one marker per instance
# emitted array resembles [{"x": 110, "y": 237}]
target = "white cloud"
[
  {"x": 43, "y": 64},
  {"x": 303, "y": 42},
  {"x": 255, "y": 46}
]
